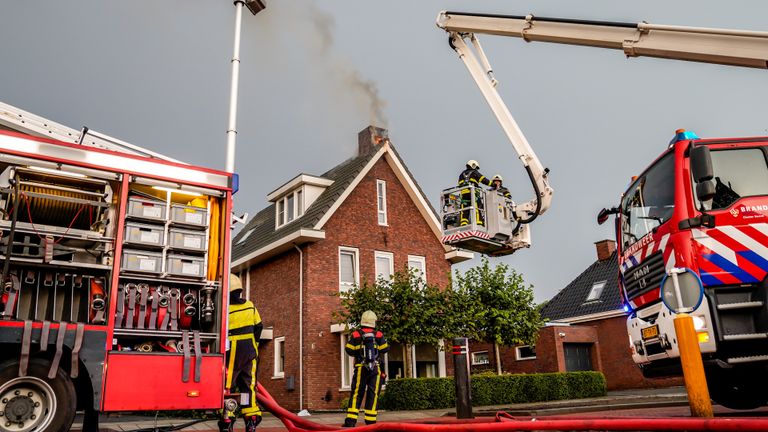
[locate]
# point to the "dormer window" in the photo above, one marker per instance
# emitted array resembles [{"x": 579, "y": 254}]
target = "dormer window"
[{"x": 289, "y": 208}]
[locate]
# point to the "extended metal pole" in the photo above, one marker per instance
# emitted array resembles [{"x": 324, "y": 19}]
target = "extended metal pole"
[
  {"x": 233, "y": 90},
  {"x": 461, "y": 377}
]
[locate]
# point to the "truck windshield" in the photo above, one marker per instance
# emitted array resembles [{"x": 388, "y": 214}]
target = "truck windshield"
[
  {"x": 738, "y": 173},
  {"x": 649, "y": 202}
]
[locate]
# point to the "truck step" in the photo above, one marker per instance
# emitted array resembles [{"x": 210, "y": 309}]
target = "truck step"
[
  {"x": 745, "y": 336},
  {"x": 748, "y": 359},
  {"x": 740, "y": 305}
]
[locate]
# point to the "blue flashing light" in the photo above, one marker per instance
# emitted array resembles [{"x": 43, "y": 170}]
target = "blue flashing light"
[
  {"x": 626, "y": 307},
  {"x": 683, "y": 135},
  {"x": 235, "y": 183}
]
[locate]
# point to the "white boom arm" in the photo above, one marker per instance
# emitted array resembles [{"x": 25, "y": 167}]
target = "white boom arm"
[{"x": 720, "y": 46}]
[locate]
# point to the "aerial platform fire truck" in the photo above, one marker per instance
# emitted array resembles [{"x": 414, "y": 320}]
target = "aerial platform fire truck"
[
  {"x": 113, "y": 260},
  {"x": 498, "y": 226},
  {"x": 702, "y": 205}
]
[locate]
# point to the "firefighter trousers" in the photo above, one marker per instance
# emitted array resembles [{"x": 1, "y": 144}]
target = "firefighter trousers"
[
  {"x": 366, "y": 383},
  {"x": 466, "y": 204},
  {"x": 242, "y": 361}
]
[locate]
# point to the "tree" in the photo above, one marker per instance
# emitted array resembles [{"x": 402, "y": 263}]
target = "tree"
[
  {"x": 499, "y": 306},
  {"x": 409, "y": 311}
]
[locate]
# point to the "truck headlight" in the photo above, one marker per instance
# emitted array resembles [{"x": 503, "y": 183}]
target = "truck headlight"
[{"x": 699, "y": 323}]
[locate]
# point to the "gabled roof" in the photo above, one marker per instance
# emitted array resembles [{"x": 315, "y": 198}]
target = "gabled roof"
[
  {"x": 264, "y": 240},
  {"x": 570, "y": 303}
]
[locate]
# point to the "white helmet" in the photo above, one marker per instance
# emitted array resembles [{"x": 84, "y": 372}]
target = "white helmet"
[
  {"x": 235, "y": 283},
  {"x": 497, "y": 177},
  {"x": 368, "y": 319},
  {"x": 473, "y": 164}
]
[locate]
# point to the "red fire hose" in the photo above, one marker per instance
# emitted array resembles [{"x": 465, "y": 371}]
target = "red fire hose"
[{"x": 504, "y": 422}]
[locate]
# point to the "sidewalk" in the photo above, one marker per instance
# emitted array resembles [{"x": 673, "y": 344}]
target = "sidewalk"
[{"x": 617, "y": 400}]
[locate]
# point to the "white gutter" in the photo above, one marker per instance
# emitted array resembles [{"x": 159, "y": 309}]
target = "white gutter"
[
  {"x": 593, "y": 317},
  {"x": 301, "y": 327},
  {"x": 302, "y": 235}
]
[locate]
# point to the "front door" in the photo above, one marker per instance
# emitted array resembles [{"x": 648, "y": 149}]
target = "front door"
[{"x": 578, "y": 356}]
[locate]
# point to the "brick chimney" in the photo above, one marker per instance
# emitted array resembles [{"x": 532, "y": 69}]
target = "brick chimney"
[
  {"x": 370, "y": 138},
  {"x": 605, "y": 248}
]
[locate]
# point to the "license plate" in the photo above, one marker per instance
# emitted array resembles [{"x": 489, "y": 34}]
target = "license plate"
[{"x": 650, "y": 332}]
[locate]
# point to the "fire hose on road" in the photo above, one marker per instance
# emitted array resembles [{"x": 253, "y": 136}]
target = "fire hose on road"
[{"x": 504, "y": 422}]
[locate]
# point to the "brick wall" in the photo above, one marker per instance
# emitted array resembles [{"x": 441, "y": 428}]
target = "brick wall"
[{"x": 274, "y": 285}]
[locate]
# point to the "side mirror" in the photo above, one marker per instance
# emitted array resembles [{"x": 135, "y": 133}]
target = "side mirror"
[
  {"x": 604, "y": 213},
  {"x": 701, "y": 164},
  {"x": 705, "y": 190}
]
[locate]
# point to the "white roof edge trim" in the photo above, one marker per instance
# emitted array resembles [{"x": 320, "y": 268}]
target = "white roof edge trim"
[
  {"x": 593, "y": 317},
  {"x": 416, "y": 196},
  {"x": 310, "y": 233},
  {"x": 297, "y": 181},
  {"x": 363, "y": 172}
]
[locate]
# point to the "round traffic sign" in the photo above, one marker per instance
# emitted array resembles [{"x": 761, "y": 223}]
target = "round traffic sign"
[{"x": 682, "y": 290}]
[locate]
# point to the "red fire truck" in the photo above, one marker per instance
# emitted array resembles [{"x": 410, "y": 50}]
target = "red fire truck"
[
  {"x": 701, "y": 205},
  {"x": 113, "y": 264}
]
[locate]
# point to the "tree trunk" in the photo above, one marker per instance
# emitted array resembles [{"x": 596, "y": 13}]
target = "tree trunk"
[
  {"x": 498, "y": 358},
  {"x": 406, "y": 363}
]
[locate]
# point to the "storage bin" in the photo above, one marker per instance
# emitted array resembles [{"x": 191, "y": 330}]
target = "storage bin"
[
  {"x": 142, "y": 261},
  {"x": 146, "y": 209},
  {"x": 185, "y": 265},
  {"x": 145, "y": 235},
  {"x": 187, "y": 240},
  {"x": 191, "y": 216}
]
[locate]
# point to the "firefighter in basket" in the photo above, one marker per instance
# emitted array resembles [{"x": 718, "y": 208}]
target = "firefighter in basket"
[
  {"x": 498, "y": 186},
  {"x": 366, "y": 345},
  {"x": 471, "y": 176},
  {"x": 242, "y": 358}
]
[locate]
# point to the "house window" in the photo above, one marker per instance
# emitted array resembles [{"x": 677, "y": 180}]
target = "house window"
[
  {"x": 279, "y": 369},
  {"x": 289, "y": 208},
  {"x": 348, "y": 268},
  {"x": 419, "y": 265},
  {"x": 347, "y": 365},
  {"x": 385, "y": 266},
  {"x": 525, "y": 352},
  {"x": 597, "y": 289},
  {"x": 480, "y": 358},
  {"x": 381, "y": 201}
]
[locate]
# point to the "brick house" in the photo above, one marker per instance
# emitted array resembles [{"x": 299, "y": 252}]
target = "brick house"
[
  {"x": 586, "y": 330},
  {"x": 321, "y": 235}
]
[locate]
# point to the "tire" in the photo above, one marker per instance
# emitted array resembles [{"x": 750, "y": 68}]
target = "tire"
[
  {"x": 52, "y": 403},
  {"x": 737, "y": 390}
]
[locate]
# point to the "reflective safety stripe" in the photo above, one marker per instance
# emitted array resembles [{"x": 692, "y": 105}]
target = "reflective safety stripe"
[
  {"x": 372, "y": 412},
  {"x": 241, "y": 331},
  {"x": 370, "y": 418},
  {"x": 240, "y": 337},
  {"x": 354, "y": 347},
  {"x": 376, "y": 393},
  {"x": 231, "y": 365},
  {"x": 254, "y": 408},
  {"x": 384, "y": 346},
  {"x": 352, "y": 416}
]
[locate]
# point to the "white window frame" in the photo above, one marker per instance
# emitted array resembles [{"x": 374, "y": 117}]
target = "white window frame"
[
  {"x": 346, "y": 379},
  {"x": 345, "y": 286},
  {"x": 381, "y": 202},
  {"x": 279, "y": 354},
  {"x": 297, "y": 207},
  {"x": 423, "y": 261},
  {"x": 388, "y": 255},
  {"x": 519, "y": 357},
  {"x": 596, "y": 292},
  {"x": 478, "y": 363}
]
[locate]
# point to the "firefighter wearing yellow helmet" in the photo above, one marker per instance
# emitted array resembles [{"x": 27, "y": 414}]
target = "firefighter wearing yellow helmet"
[
  {"x": 366, "y": 345},
  {"x": 471, "y": 176},
  {"x": 244, "y": 331}
]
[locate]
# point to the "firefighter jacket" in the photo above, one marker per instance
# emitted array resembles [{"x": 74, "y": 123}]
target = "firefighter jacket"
[
  {"x": 366, "y": 344},
  {"x": 503, "y": 191},
  {"x": 244, "y": 322},
  {"x": 473, "y": 176}
]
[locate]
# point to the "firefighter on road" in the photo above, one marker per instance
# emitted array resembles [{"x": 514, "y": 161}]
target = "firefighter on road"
[
  {"x": 242, "y": 358},
  {"x": 366, "y": 345},
  {"x": 471, "y": 176}
]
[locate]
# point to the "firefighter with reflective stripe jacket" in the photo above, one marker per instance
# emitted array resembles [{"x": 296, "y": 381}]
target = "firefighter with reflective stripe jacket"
[
  {"x": 366, "y": 345},
  {"x": 471, "y": 176},
  {"x": 242, "y": 358},
  {"x": 498, "y": 186}
]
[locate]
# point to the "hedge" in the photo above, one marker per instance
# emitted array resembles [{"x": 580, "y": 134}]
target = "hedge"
[{"x": 432, "y": 393}]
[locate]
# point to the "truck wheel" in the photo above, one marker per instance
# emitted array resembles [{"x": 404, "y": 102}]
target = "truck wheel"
[
  {"x": 737, "y": 391},
  {"x": 34, "y": 403}
]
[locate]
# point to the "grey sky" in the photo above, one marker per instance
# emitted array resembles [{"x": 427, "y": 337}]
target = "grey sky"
[{"x": 156, "y": 74}]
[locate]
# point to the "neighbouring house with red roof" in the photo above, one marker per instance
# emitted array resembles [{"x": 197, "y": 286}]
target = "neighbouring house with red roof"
[{"x": 320, "y": 235}]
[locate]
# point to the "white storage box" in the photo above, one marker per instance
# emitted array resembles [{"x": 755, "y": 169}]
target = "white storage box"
[
  {"x": 187, "y": 266},
  {"x": 145, "y": 235},
  {"x": 187, "y": 240},
  {"x": 142, "y": 261},
  {"x": 187, "y": 215},
  {"x": 146, "y": 209}
]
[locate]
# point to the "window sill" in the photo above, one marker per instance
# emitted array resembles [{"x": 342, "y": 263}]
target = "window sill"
[
  {"x": 345, "y": 389},
  {"x": 278, "y": 377},
  {"x": 526, "y": 358}
]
